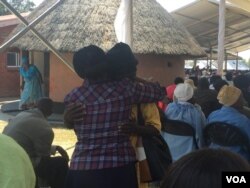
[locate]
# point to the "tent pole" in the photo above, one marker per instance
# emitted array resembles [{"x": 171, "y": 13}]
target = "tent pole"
[
  {"x": 211, "y": 56},
  {"x": 226, "y": 60},
  {"x": 37, "y": 34},
  {"x": 124, "y": 22},
  {"x": 131, "y": 23},
  {"x": 32, "y": 24},
  {"x": 237, "y": 61},
  {"x": 221, "y": 36}
]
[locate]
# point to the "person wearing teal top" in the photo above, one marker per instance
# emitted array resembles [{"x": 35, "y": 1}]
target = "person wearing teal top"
[
  {"x": 16, "y": 168},
  {"x": 32, "y": 90}
]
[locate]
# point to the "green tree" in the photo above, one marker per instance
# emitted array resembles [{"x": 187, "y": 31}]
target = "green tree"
[{"x": 19, "y": 5}]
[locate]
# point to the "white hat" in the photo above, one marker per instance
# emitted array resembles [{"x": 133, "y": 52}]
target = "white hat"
[{"x": 183, "y": 92}]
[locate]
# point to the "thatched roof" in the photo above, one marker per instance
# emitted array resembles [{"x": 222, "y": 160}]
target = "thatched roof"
[{"x": 77, "y": 23}]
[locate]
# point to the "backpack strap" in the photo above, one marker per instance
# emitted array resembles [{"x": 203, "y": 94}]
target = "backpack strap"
[{"x": 140, "y": 119}]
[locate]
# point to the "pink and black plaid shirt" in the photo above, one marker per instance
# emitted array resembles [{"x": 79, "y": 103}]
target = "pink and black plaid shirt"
[{"x": 99, "y": 144}]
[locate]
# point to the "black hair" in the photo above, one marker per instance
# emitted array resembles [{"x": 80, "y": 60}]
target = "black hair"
[
  {"x": 195, "y": 79},
  {"x": 214, "y": 78},
  {"x": 203, "y": 169},
  {"x": 219, "y": 84},
  {"x": 203, "y": 83},
  {"x": 178, "y": 80},
  {"x": 90, "y": 62},
  {"x": 241, "y": 82},
  {"x": 229, "y": 76},
  {"x": 121, "y": 62},
  {"x": 45, "y": 105}
]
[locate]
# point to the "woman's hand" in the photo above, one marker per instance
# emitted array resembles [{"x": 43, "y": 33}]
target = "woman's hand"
[{"x": 73, "y": 112}]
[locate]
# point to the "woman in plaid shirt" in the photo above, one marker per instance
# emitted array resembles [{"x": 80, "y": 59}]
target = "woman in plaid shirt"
[{"x": 103, "y": 156}]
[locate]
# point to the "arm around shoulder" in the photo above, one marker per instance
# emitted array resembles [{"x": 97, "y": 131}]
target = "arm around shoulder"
[{"x": 147, "y": 92}]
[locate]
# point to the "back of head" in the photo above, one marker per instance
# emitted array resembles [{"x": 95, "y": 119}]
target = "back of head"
[
  {"x": 203, "y": 168},
  {"x": 90, "y": 62},
  {"x": 45, "y": 105},
  {"x": 183, "y": 92},
  {"x": 214, "y": 78},
  {"x": 241, "y": 82},
  {"x": 121, "y": 62},
  {"x": 219, "y": 84},
  {"x": 178, "y": 80},
  {"x": 203, "y": 84},
  {"x": 229, "y": 76},
  {"x": 229, "y": 95}
]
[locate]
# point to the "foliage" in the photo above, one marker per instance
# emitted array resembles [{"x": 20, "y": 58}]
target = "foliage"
[{"x": 19, "y": 5}]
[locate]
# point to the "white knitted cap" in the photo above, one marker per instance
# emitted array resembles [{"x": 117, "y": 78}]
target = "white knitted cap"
[{"x": 183, "y": 92}]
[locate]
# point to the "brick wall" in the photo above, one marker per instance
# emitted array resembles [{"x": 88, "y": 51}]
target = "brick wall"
[
  {"x": 62, "y": 79},
  {"x": 163, "y": 69},
  {"x": 9, "y": 77}
]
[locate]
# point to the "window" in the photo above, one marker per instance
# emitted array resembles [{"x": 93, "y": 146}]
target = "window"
[{"x": 13, "y": 59}]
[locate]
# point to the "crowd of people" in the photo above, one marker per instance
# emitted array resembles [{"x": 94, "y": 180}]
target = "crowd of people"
[
  {"x": 200, "y": 105},
  {"x": 103, "y": 112}
]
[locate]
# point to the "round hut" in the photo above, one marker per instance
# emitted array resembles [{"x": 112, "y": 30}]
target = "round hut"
[{"x": 160, "y": 43}]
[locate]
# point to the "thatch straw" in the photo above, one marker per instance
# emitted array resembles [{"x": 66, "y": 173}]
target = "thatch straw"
[{"x": 77, "y": 23}]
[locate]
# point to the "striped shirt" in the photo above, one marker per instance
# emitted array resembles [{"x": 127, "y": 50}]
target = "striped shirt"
[{"x": 99, "y": 144}]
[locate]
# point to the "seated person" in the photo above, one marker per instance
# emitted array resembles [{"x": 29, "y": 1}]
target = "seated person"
[
  {"x": 191, "y": 82},
  {"x": 218, "y": 85},
  {"x": 184, "y": 109},
  {"x": 228, "y": 78},
  {"x": 170, "y": 89},
  {"x": 203, "y": 168},
  {"x": 231, "y": 99},
  {"x": 243, "y": 83},
  {"x": 16, "y": 168},
  {"x": 213, "y": 79},
  {"x": 206, "y": 98},
  {"x": 169, "y": 94},
  {"x": 31, "y": 130}
]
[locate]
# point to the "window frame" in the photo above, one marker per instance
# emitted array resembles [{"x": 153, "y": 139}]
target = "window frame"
[{"x": 17, "y": 59}]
